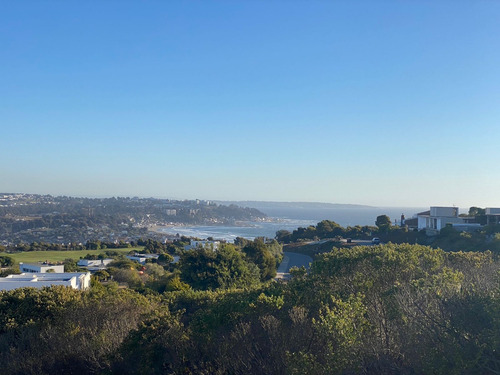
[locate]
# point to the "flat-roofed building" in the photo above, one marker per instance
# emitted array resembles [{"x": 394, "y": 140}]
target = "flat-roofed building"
[
  {"x": 40, "y": 267},
  {"x": 142, "y": 258},
  {"x": 492, "y": 215},
  {"x": 437, "y": 218},
  {"x": 75, "y": 280},
  {"x": 204, "y": 244},
  {"x": 94, "y": 262}
]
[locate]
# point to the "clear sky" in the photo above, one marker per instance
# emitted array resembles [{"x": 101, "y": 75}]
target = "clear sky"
[{"x": 389, "y": 103}]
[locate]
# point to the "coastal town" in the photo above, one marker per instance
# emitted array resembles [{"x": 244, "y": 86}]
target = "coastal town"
[{"x": 28, "y": 218}]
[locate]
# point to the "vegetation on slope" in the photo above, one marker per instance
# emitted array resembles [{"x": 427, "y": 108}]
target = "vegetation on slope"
[{"x": 401, "y": 309}]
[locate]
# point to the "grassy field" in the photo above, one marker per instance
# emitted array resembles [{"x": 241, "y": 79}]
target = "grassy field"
[{"x": 57, "y": 256}]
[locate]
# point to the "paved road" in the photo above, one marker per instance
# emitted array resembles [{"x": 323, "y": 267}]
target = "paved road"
[{"x": 292, "y": 260}]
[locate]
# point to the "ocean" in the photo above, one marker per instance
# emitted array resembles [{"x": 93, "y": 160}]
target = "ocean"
[{"x": 292, "y": 218}]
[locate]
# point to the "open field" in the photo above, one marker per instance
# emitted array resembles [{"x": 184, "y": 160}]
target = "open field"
[{"x": 57, "y": 256}]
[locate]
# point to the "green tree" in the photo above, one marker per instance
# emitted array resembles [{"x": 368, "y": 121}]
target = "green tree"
[
  {"x": 383, "y": 223},
  {"x": 102, "y": 275},
  {"x": 206, "y": 269},
  {"x": 283, "y": 236},
  {"x": 70, "y": 265},
  {"x": 258, "y": 253},
  {"x": 6, "y": 261}
]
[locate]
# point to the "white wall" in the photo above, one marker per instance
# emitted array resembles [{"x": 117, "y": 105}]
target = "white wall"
[
  {"x": 75, "y": 280},
  {"x": 40, "y": 268},
  {"x": 444, "y": 211}
]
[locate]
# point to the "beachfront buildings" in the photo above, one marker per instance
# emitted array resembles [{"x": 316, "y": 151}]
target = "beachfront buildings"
[{"x": 206, "y": 244}]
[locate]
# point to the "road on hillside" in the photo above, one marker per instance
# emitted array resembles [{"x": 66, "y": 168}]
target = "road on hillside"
[
  {"x": 293, "y": 260},
  {"x": 298, "y": 260}
]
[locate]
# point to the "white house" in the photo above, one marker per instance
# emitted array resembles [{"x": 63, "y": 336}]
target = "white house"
[
  {"x": 213, "y": 245},
  {"x": 439, "y": 217},
  {"x": 75, "y": 280},
  {"x": 40, "y": 267}
]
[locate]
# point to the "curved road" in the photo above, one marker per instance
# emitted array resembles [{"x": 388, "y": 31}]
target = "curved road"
[{"x": 292, "y": 260}]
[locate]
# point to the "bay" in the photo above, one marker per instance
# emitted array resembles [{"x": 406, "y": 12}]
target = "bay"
[{"x": 292, "y": 218}]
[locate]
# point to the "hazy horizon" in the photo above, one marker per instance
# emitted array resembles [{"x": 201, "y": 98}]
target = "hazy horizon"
[
  {"x": 219, "y": 201},
  {"x": 386, "y": 104}
]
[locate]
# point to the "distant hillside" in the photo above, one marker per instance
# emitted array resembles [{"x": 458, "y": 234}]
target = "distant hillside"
[
  {"x": 263, "y": 205},
  {"x": 44, "y": 218}
]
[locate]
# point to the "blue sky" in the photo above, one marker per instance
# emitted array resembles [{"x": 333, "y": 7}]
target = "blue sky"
[{"x": 389, "y": 103}]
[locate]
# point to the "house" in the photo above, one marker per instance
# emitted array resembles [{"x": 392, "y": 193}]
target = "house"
[
  {"x": 492, "y": 215},
  {"x": 40, "y": 267},
  {"x": 75, "y": 280},
  {"x": 437, "y": 218},
  {"x": 100, "y": 263},
  {"x": 213, "y": 245},
  {"x": 142, "y": 258}
]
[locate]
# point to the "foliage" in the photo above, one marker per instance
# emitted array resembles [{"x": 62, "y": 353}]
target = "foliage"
[
  {"x": 390, "y": 309},
  {"x": 226, "y": 268},
  {"x": 61, "y": 330},
  {"x": 70, "y": 265},
  {"x": 260, "y": 254},
  {"x": 383, "y": 223},
  {"x": 6, "y": 261},
  {"x": 9, "y": 271},
  {"x": 325, "y": 229}
]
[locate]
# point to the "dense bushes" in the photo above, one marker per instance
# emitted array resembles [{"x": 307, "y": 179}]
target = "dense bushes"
[{"x": 391, "y": 309}]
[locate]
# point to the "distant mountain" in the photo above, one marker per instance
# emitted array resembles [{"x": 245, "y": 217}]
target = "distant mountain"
[{"x": 263, "y": 205}]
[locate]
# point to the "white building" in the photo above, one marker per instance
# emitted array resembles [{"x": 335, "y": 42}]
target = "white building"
[
  {"x": 40, "y": 267},
  {"x": 212, "y": 245},
  {"x": 100, "y": 263},
  {"x": 171, "y": 212},
  {"x": 75, "y": 280},
  {"x": 439, "y": 217},
  {"x": 142, "y": 258}
]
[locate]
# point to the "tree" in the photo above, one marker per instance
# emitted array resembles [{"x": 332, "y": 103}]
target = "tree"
[
  {"x": 258, "y": 253},
  {"x": 479, "y": 214},
  {"x": 327, "y": 228},
  {"x": 128, "y": 276},
  {"x": 283, "y": 236},
  {"x": 102, "y": 275},
  {"x": 70, "y": 265},
  {"x": 383, "y": 222},
  {"x": 206, "y": 269},
  {"x": 165, "y": 258},
  {"x": 155, "y": 271},
  {"x": 6, "y": 261}
]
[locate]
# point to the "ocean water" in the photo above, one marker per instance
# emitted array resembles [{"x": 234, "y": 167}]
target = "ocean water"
[{"x": 292, "y": 218}]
